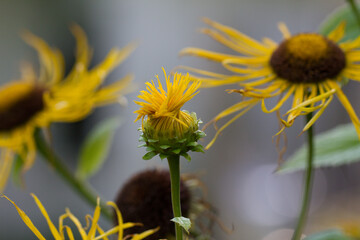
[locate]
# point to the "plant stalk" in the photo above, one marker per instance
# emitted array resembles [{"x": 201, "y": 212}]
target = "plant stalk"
[
  {"x": 174, "y": 166},
  {"x": 308, "y": 183},
  {"x": 81, "y": 187}
]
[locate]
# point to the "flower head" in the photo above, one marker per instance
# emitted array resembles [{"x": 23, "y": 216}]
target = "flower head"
[
  {"x": 146, "y": 197},
  {"x": 308, "y": 66},
  {"x": 37, "y": 101},
  {"x": 166, "y": 128},
  {"x": 94, "y": 232}
]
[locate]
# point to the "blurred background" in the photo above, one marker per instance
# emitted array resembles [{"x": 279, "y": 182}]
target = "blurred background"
[{"x": 238, "y": 169}]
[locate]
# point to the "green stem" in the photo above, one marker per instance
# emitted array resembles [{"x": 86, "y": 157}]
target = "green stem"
[
  {"x": 307, "y": 184},
  {"x": 174, "y": 166},
  {"x": 355, "y": 10},
  {"x": 80, "y": 186}
]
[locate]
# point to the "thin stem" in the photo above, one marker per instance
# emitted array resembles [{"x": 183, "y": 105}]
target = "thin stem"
[
  {"x": 174, "y": 166},
  {"x": 308, "y": 182},
  {"x": 355, "y": 10},
  {"x": 80, "y": 186}
]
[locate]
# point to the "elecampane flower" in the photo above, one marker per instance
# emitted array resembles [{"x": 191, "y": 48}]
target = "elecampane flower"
[
  {"x": 37, "y": 101},
  {"x": 166, "y": 129},
  {"x": 95, "y": 232},
  {"x": 308, "y": 66}
]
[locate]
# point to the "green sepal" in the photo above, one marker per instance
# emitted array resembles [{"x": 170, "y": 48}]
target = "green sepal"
[
  {"x": 198, "y": 148},
  {"x": 153, "y": 140},
  {"x": 186, "y": 156},
  {"x": 149, "y": 155},
  {"x": 150, "y": 149},
  {"x": 164, "y": 146},
  {"x": 176, "y": 151},
  {"x": 163, "y": 156},
  {"x": 200, "y": 134},
  {"x": 182, "y": 140},
  {"x": 142, "y": 145},
  {"x": 192, "y": 144},
  {"x": 142, "y": 139}
]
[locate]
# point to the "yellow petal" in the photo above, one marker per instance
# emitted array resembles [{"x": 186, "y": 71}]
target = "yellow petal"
[
  {"x": 52, "y": 227},
  {"x": 27, "y": 220}
]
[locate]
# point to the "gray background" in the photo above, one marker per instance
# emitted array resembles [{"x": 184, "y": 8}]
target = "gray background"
[{"x": 238, "y": 168}]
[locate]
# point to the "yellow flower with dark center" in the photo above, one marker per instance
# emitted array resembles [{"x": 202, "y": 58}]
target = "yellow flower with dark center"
[
  {"x": 307, "y": 66},
  {"x": 166, "y": 128},
  {"x": 37, "y": 101},
  {"x": 94, "y": 232}
]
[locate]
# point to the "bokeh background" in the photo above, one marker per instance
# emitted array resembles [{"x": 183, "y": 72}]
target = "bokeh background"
[{"x": 238, "y": 169}]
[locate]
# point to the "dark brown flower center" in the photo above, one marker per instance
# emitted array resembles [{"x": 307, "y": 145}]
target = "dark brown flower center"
[
  {"x": 19, "y": 103},
  {"x": 308, "y": 58},
  {"x": 146, "y": 199}
]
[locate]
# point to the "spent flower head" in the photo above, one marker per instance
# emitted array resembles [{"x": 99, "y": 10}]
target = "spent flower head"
[
  {"x": 166, "y": 129},
  {"x": 35, "y": 101},
  {"x": 146, "y": 197},
  {"x": 308, "y": 66}
]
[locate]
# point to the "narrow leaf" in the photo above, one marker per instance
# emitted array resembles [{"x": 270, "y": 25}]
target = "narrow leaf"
[
  {"x": 96, "y": 147},
  {"x": 333, "y": 148},
  {"x": 183, "y": 222}
]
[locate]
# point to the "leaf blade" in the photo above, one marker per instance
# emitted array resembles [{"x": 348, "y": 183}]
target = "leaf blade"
[
  {"x": 96, "y": 147},
  {"x": 336, "y": 147}
]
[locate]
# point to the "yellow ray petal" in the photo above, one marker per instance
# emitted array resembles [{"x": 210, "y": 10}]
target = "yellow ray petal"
[
  {"x": 52, "y": 227},
  {"x": 284, "y": 30},
  {"x": 145, "y": 234},
  {"x": 27, "y": 220},
  {"x": 198, "y": 52},
  {"x": 338, "y": 33}
]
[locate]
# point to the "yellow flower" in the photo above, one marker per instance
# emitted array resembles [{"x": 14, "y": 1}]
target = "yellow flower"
[
  {"x": 308, "y": 66},
  {"x": 168, "y": 130},
  {"x": 95, "y": 232},
  {"x": 36, "y": 101}
]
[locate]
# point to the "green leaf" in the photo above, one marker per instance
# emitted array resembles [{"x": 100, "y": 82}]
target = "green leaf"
[
  {"x": 149, "y": 155},
  {"x": 183, "y": 222},
  {"x": 96, "y": 147},
  {"x": 328, "y": 235},
  {"x": 343, "y": 13},
  {"x": 335, "y": 147},
  {"x": 16, "y": 171}
]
